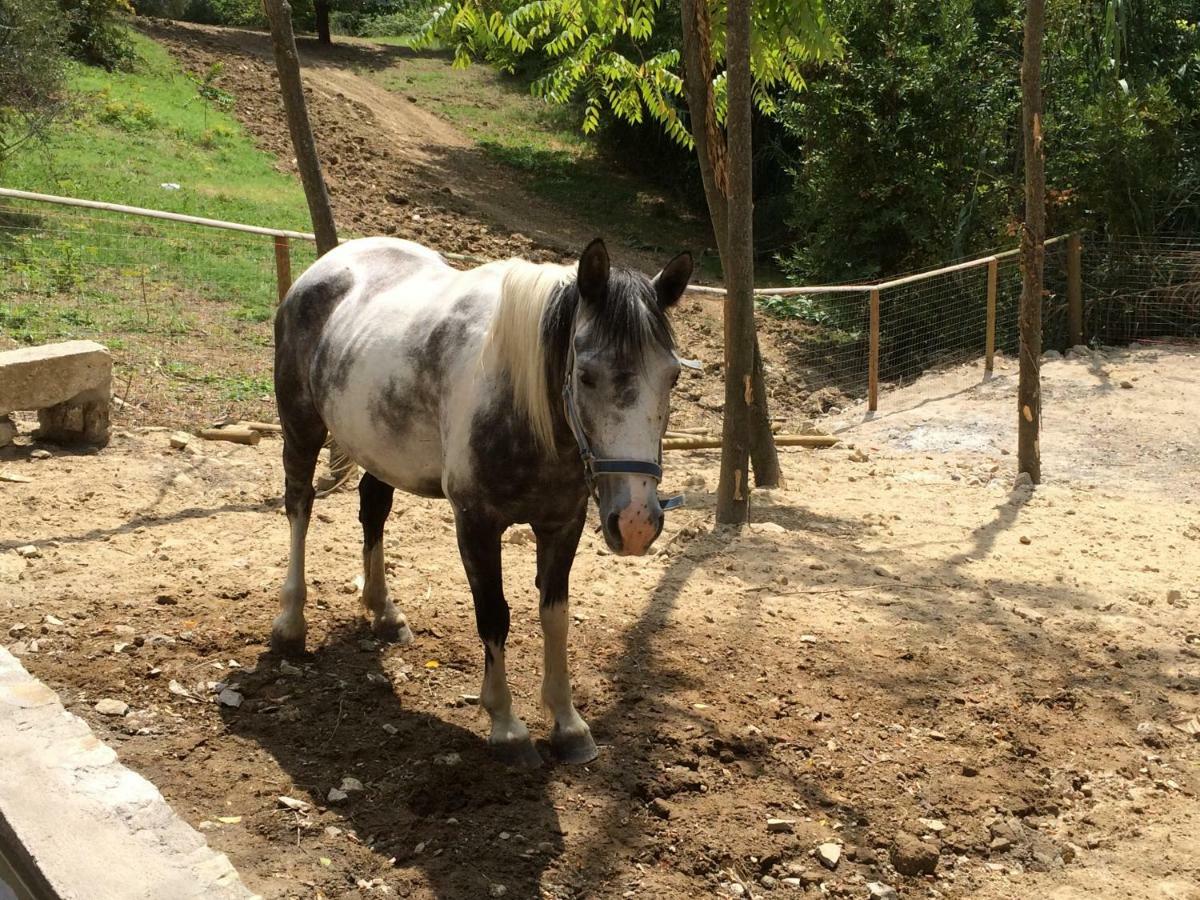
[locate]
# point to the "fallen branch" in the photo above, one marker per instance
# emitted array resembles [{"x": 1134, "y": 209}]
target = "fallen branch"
[
  {"x": 813, "y": 441},
  {"x": 236, "y": 435}
]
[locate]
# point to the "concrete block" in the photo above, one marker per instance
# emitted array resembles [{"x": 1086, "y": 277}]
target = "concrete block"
[
  {"x": 75, "y": 823},
  {"x": 69, "y": 384}
]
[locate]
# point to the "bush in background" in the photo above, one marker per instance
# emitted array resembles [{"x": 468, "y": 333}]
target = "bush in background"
[
  {"x": 96, "y": 32},
  {"x": 31, "y": 71}
]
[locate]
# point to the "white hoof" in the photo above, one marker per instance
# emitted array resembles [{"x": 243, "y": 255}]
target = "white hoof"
[{"x": 391, "y": 625}]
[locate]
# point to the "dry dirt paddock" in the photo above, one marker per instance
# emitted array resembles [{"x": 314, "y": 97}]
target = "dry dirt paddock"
[{"x": 905, "y": 657}]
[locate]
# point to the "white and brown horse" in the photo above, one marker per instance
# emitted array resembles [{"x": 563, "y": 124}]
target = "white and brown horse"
[{"x": 485, "y": 387}]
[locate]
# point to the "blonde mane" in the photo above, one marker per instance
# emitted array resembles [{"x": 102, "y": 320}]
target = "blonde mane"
[{"x": 515, "y": 340}]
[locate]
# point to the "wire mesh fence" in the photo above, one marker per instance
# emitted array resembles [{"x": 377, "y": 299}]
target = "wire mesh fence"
[
  {"x": 926, "y": 320},
  {"x": 185, "y": 309},
  {"x": 1142, "y": 289}
]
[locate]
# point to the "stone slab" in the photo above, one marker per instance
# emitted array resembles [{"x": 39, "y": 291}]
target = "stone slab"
[
  {"x": 77, "y": 824},
  {"x": 33, "y": 378}
]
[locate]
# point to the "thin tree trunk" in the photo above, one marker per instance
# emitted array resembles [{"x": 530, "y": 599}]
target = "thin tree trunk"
[
  {"x": 706, "y": 134},
  {"x": 733, "y": 492},
  {"x": 287, "y": 63},
  {"x": 1033, "y": 252},
  {"x": 711, "y": 155},
  {"x": 321, "y": 14},
  {"x": 764, "y": 458}
]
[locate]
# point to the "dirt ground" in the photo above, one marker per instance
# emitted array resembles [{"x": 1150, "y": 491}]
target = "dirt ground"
[{"x": 904, "y": 657}]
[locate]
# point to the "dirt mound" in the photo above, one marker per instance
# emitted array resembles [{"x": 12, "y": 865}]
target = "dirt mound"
[{"x": 392, "y": 167}]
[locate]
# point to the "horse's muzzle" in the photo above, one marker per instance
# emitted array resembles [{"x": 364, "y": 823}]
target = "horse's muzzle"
[{"x": 631, "y": 528}]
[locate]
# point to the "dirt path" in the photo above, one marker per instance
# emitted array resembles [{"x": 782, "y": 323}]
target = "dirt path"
[
  {"x": 903, "y": 645},
  {"x": 392, "y": 166}
]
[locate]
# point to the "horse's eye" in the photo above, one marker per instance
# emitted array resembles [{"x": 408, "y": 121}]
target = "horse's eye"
[{"x": 587, "y": 379}]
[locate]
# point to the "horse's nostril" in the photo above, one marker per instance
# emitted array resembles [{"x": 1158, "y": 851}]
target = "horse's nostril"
[{"x": 614, "y": 524}]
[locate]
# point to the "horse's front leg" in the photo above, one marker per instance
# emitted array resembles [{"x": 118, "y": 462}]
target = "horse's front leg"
[
  {"x": 479, "y": 546},
  {"x": 571, "y": 737}
]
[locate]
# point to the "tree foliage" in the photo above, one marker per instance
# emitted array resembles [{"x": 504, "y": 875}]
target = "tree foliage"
[
  {"x": 907, "y": 151},
  {"x": 623, "y": 56},
  {"x": 31, "y": 71}
]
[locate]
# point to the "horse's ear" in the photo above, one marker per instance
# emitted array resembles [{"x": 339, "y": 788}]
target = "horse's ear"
[
  {"x": 593, "y": 272},
  {"x": 672, "y": 281}
]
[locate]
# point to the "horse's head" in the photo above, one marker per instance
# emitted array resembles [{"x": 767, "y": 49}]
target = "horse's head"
[{"x": 620, "y": 374}]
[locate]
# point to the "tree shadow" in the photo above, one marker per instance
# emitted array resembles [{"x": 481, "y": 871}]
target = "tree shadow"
[{"x": 434, "y": 799}]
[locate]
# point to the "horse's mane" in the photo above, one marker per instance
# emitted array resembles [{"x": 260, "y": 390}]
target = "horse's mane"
[{"x": 530, "y": 334}]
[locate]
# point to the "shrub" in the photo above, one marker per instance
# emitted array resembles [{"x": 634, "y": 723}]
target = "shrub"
[
  {"x": 31, "y": 71},
  {"x": 96, "y": 34}
]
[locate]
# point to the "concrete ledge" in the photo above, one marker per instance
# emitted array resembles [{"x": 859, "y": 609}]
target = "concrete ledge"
[
  {"x": 69, "y": 385},
  {"x": 77, "y": 825}
]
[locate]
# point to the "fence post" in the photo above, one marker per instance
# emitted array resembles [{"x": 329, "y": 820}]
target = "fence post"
[
  {"x": 1074, "y": 290},
  {"x": 873, "y": 352},
  {"x": 993, "y": 267},
  {"x": 283, "y": 267}
]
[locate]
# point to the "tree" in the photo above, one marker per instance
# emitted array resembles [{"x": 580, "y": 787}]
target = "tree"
[
  {"x": 31, "y": 71},
  {"x": 607, "y": 52},
  {"x": 733, "y": 493},
  {"x": 1033, "y": 252},
  {"x": 287, "y": 63},
  {"x": 321, "y": 20}
]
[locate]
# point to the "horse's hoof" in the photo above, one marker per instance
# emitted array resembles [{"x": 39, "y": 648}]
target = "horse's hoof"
[
  {"x": 573, "y": 749},
  {"x": 287, "y": 636},
  {"x": 393, "y": 632},
  {"x": 518, "y": 754},
  {"x": 289, "y": 647}
]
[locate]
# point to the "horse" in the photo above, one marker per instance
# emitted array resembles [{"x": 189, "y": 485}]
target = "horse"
[{"x": 514, "y": 390}]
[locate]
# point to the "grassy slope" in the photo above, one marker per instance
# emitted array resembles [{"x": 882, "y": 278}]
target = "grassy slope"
[
  {"x": 186, "y": 310},
  {"x": 134, "y": 131}
]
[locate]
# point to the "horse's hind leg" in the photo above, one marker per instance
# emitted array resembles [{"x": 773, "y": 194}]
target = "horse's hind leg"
[
  {"x": 302, "y": 441},
  {"x": 374, "y": 504}
]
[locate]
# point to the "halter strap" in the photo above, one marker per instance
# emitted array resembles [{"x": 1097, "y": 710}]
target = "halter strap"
[{"x": 594, "y": 467}]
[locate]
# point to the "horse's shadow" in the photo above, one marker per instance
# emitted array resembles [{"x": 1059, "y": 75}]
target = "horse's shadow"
[{"x": 433, "y": 797}]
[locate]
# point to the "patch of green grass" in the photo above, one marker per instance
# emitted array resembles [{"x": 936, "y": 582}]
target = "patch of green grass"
[
  {"x": 131, "y": 132},
  {"x": 184, "y": 309}
]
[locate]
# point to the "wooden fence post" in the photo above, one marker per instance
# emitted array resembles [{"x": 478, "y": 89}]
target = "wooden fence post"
[
  {"x": 993, "y": 268},
  {"x": 1074, "y": 290},
  {"x": 873, "y": 353},
  {"x": 283, "y": 268}
]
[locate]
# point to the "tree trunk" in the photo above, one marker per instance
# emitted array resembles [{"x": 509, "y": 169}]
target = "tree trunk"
[
  {"x": 1033, "y": 249},
  {"x": 764, "y": 458},
  {"x": 733, "y": 492},
  {"x": 711, "y": 156},
  {"x": 321, "y": 13},
  {"x": 287, "y": 63}
]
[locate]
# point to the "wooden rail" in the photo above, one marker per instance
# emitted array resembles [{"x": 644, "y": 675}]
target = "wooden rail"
[
  {"x": 990, "y": 341},
  {"x": 155, "y": 214}
]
